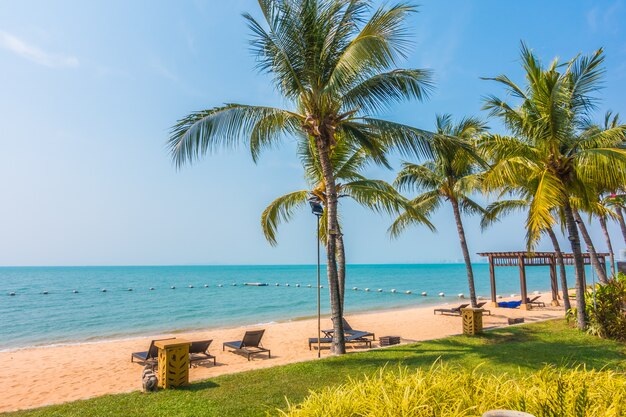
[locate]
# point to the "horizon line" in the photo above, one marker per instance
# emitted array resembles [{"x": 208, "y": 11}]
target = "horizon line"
[{"x": 220, "y": 265}]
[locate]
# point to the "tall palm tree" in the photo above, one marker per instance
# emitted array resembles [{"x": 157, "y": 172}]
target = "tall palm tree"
[
  {"x": 450, "y": 176},
  {"x": 617, "y": 202},
  {"x": 348, "y": 165},
  {"x": 550, "y": 144},
  {"x": 595, "y": 206},
  {"x": 602, "y": 219},
  {"x": 606, "y": 204},
  {"x": 334, "y": 62},
  {"x": 591, "y": 248},
  {"x": 497, "y": 209}
]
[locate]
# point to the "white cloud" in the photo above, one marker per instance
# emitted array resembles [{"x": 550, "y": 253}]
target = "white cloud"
[
  {"x": 33, "y": 53},
  {"x": 606, "y": 19}
]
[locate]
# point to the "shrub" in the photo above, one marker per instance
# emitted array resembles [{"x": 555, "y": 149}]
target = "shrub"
[
  {"x": 606, "y": 309},
  {"x": 445, "y": 391}
]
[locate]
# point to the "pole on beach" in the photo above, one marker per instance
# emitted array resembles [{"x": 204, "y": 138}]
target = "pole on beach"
[
  {"x": 318, "y": 211},
  {"x": 319, "y": 320}
]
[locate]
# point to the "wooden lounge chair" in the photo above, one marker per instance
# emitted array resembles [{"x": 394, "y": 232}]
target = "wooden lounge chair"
[
  {"x": 356, "y": 336},
  {"x": 350, "y": 337},
  {"x": 349, "y": 330},
  {"x": 199, "y": 352},
  {"x": 481, "y": 305},
  {"x": 250, "y": 345},
  {"x": 150, "y": 356},
  {"x": 534, "y": 301},
  {"x": 455, "y": 311},
  {"x": 323, "y": 340}
]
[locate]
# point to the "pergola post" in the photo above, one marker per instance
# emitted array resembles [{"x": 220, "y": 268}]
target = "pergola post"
[
  {"x": 492, "y": 278},
  {"x": 553, "y": 282},
  {"x": 522, "y": 282}
]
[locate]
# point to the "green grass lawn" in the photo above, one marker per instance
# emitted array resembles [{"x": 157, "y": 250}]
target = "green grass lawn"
[{"x": 516, "y": 349}]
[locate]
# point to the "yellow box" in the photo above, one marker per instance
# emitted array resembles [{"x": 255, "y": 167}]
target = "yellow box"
[
  {"x": 472, "y": 320},
  {"x": 173, "y": 362}
]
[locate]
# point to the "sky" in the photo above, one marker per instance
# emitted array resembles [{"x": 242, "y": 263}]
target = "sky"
[{"x": 89, "y": 90}]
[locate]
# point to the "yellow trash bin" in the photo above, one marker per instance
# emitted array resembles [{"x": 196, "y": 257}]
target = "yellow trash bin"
[
  {"x": 173, "y": 362},
  {"x": 472, "y": 320}
]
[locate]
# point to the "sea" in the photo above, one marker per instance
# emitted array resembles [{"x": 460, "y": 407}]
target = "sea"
[{"x": 64, "y": 305}]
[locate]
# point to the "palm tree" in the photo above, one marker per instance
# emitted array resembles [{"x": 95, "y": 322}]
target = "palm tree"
[
  {"x": 334, "y": 62},
  {"x": 348, "y": 165},
  {"x": 596, "y": 206},
  {"x": 497, "y": 209},
  {"x": 591, "y": 248},
  {"x": 604, "y": 206},
  {"x": 450, "y": 176},
  {"x": 602, "y": 218},
  {"x": 618, "y": 203},
  {"x": 551, "y": 145}
]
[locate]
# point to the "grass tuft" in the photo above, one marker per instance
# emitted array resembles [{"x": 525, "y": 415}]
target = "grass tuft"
[{"x": 452, "y": 391}]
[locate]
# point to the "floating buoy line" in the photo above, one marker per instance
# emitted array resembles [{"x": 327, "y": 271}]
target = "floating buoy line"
[{"x": 260, "y": 284}]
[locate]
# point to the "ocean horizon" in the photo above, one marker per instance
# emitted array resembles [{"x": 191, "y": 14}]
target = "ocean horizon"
[{"x": 73, "y": 304}]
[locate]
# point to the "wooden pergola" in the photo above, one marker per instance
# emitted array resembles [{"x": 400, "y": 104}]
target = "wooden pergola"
[{"x": 524, "y": 259}]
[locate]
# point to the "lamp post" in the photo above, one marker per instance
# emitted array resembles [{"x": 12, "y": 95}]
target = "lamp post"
[{"x": 318, "y": 211}]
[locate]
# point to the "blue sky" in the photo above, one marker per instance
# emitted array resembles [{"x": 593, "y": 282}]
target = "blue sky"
[{"x": 88, "y": 91}]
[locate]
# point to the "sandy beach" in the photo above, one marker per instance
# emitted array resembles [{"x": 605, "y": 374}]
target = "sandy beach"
[{"x": 40, "y": 376}]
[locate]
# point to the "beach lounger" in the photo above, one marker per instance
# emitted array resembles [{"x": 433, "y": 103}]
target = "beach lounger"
[
  {"x": 150, "y": 356},
  {"x": 534, "y": 301},
  {"x": 250, "y": 345},
  {"x": 455, "y": 311},
  {"x": 323, "y": 340},
  {"x": 350, "y": 337},
  {"x": 348, "y": 330},
  {"x": 199, "y": 352},
  {"x": 481, "y": 305}
]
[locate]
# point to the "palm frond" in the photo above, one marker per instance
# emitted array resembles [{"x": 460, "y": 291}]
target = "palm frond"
[
  {"x": 281, "y": 210},
  {"x": 229, "y": 126},
  {"x": 416, "y": 214},
  {"x": 547, "y": 197},
  {"x": 276, "y": 48},
  {"x": 469, "y": 206},
  {"x": 418, "y": 177},
  {"x": 603, "y": 167},
  {"x": 586, "y": 74},
  {"x": 376, "y": 48},
  {"x": 495, "y": 211},
  {"x": 376, "y": 195},
  {"x": 382, "y": 90},
  {"x": 407, "y": 140}
]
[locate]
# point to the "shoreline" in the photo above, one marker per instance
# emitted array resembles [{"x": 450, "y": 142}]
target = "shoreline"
[
  {"x": 41, "y": 376},
  {"x": 438, "y": 302}
]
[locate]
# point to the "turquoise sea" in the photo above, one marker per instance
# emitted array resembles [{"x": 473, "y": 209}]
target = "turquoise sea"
[{"x": 31, "y": 317}]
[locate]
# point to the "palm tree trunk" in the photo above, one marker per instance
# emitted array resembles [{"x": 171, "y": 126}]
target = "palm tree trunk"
[
  {"x": 622, "y": 223},
  {"x": 561, "y": 264},
  {"x": 579, "y": 264},
  {"x": 600, "y": 269},
  {"x": 466, "y": 255},
  {"x": 341, "y": 269},
  {"x": 609, "y": 244},
  {"x": 323, "y": 147}
]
